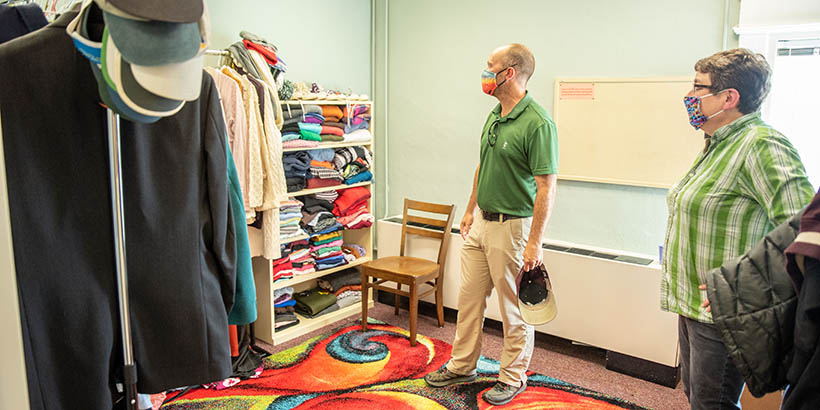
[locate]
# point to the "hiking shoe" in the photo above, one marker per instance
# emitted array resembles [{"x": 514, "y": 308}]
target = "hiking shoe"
[
  {"x": 502, "y": 393},
  {"x": 443, "y": 377}
]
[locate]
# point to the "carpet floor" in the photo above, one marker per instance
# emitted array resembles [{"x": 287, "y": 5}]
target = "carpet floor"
[{"x": 350, "y": 369}]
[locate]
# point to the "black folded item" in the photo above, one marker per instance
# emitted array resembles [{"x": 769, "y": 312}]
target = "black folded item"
[
  {"x": 296, "y": 184},
  {"x": 312, "y": 202},
  {"x": 284, "y": 318},
  {"x": 313, "y": 301},
  {"x": 285, "y": 326},
  {"x": 338, "y": 280}
]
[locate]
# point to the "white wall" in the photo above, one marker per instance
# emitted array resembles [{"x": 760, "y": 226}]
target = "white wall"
[
  {"x": 784, "y": 12},
  {"x": 437, "y": 49},
  {"x": 322, "y": 41}
]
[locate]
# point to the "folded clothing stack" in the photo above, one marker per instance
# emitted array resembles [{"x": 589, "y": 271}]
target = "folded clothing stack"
[
  {"x": 283, "y": 309},
  {"x": 327, "y": 250},
  {"x": 290, "y": 214},
  {"x": 282, "y": 267},
  {"x": 351, "y": 208},
  {"x": 292, "y": 133},
  {"x": 332, "y": 128},
  {"x": 356, "y": 117},
  {"x": 296, "y": 165},
  {"x": 346, "y": 285},
  {"x": 319, "y": 223},
  {"x": 315, "y": 302},
  {"x": 321, "y": 172},
  {"x": 353, "y": 163},
  {"x": 301, "y": 258}
]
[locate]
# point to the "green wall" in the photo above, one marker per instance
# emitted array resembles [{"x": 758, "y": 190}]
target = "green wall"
[
  {"x": 434, "y": 56},
  {"x": 322, "y": 41}
]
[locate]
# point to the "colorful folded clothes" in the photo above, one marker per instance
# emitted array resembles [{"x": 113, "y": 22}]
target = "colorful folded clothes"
[
  {"x": 313, "y": 118},
  {"x": 325, "y": 238},
  {"x": 335, "y": 227},
  {"x": 350, "y": 200},
  {"x": 346, "y": 155},
  {"x": 356, "y": 250},
  {"x": 327, "y": 263},
  {"x": 323, "y": 155},
  {"x": 332, "y": 113},
  {"x": 322, "y": 183},
  {"x": 324, "y": 170},
  {"x": 310, "y": 132},
  {"x": 300, "y": 143},
  {"x": 361, "y": 177}
]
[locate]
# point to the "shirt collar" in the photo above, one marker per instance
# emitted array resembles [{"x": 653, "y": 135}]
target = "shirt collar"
[
  {"x": 735, "y": 126},
  {"x": 519, "y": 108}
]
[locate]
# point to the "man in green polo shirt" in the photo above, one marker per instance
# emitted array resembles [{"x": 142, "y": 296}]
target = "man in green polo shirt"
[{"x": 514, "y": 188}]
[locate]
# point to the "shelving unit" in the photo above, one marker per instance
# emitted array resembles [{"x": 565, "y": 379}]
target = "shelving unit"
[{"x": 263, "y": 268}]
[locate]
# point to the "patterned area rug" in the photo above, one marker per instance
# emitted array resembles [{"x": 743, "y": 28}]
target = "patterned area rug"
[{"x": 375, "y": 370}]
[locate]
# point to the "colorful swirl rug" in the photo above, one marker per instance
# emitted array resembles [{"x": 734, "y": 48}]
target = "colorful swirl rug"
[{"x": 378, "y": 370}]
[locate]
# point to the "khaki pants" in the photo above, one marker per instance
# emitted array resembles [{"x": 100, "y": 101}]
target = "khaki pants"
[{"x": 491, "y": 258}]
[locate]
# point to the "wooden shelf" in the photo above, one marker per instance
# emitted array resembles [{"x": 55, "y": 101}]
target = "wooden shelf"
[
  {"x": 307, "y": 325},
  {"x": 329, "y": 188},
  {"x": 297, "y": 279},
  {"x": 326, "y": 102},
  {"x": 323, "y": 145}
]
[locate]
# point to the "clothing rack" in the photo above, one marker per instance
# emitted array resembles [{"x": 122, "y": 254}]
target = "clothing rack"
[{"x": 118, "y": 218}]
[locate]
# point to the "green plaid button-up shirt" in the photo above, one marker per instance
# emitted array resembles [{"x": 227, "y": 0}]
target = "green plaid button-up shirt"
[{"x": 748, "y": 181}]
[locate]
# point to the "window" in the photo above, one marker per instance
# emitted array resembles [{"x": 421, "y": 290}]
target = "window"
[{"x": 793, "y": 105}]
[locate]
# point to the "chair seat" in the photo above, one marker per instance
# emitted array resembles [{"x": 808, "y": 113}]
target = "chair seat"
[{"x": 406, "y": 266}]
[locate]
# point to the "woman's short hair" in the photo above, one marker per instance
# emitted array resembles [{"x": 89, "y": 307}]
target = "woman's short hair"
[{"x": 741, "y": 69}]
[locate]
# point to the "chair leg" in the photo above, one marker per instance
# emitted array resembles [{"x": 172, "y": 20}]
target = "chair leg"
[
  {"x": 414, "y": 313},
  {"x": 365, "y": 281},
  {"x": 396, "y": 306},
  {"x": 440, "y": 303}
]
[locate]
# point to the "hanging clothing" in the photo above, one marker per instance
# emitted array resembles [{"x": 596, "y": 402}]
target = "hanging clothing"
[
  {"x": 181, "y": 250},
  {"x": 19, "y": 20}
]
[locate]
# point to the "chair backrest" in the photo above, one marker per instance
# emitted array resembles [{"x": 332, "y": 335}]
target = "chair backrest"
[{"x": 410, "y": 222}]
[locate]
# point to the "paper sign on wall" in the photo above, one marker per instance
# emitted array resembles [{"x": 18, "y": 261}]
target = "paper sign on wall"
[{"x": 576, "y": 91}]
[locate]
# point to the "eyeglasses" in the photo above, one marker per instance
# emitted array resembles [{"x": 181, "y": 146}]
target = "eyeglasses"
[
  {"x": 492, "y": 133},
  {"x": 697, "y": 87}
]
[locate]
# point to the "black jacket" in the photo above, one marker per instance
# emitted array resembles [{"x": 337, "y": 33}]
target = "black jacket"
[
  {"x": 753, "y": 306},
  {"x": 178, "y": 227}
]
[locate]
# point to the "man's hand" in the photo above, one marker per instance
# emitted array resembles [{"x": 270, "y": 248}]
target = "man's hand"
[
  {"x": 466, "y": 223},
  {"x": 532, "y": 256},
  {"x": 705, "y": 303}
]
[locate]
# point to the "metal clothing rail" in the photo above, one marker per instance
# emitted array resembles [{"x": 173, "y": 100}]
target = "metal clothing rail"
[{"x": 118, "y": 217}]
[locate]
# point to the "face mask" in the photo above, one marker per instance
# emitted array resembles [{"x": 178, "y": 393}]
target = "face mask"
[
  {"x": 488, "y": 81},
  {"x": 696, "y": 117}
]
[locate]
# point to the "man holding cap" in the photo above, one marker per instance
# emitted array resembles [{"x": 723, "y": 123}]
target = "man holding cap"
[{"x": 514, "y": 187}]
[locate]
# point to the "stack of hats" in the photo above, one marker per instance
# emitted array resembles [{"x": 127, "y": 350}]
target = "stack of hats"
[
  {"x": 146, "y": 55},
  {"x": 353, "y": 163}
]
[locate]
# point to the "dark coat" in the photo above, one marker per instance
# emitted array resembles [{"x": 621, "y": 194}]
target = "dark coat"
[
  {"x": 753, "y": 306},
  {"x": 178, "y": 226}
]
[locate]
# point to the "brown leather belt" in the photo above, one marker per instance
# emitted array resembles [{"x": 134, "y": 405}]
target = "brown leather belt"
[{"x": 498, "y": 217}]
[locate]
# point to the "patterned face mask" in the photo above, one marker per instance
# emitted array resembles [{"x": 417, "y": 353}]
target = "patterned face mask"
[
  {"x": 693, "y": 107},
  {"x": 488, "y": 81}
]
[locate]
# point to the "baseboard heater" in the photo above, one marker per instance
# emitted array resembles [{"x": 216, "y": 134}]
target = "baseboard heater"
[{"x": 606, "y": 299}]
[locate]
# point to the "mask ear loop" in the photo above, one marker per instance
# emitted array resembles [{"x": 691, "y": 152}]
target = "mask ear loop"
[
  {"x": 290, "y": 114},
  {"x": 348, "y": 111},
  {"x": 302, "y": 105}
]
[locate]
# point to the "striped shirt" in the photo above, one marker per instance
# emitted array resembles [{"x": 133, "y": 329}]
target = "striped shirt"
[{"x": 748, "y": 181}]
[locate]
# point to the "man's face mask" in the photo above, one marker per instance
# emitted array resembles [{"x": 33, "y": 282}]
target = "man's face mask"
[
  {"x": 488, "y": 81},
  {"x": 693, "y": 107}
]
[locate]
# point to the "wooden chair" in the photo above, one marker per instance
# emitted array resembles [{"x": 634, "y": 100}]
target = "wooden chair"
[{"x": 409, "y": 270}]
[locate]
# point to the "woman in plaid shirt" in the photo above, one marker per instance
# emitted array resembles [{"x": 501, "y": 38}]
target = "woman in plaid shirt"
[{"x": 748, "y": 179}]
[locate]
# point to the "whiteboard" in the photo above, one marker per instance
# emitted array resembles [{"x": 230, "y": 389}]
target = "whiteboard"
[{"x": 625, "y": 131}]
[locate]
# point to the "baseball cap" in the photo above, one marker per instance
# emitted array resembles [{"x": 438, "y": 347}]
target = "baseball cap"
[
  {"x": 151, "y": 43},
  {"x": 536, "y": 300},
  {"x": 118, "y": 75},
  {"x": 112, "y": 100},
  {"x": 176, "y": 11},
  {"x": 107, "y": 6},
  {"x": 77, "y": 29}
]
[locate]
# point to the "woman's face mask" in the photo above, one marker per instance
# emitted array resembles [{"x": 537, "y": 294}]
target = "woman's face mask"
[{"x": 693, "y": 107}]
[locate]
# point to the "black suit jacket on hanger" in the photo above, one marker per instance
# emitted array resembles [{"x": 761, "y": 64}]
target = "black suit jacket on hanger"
[{"x": 180, "y": 239}]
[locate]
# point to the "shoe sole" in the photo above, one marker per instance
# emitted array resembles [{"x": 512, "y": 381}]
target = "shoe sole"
[
  {"x": 462, "y": 379},
  {"x": 503, "y": 402}
]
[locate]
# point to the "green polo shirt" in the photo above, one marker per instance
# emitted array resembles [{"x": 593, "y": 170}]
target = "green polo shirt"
[{"x": 526, "y": 145}]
